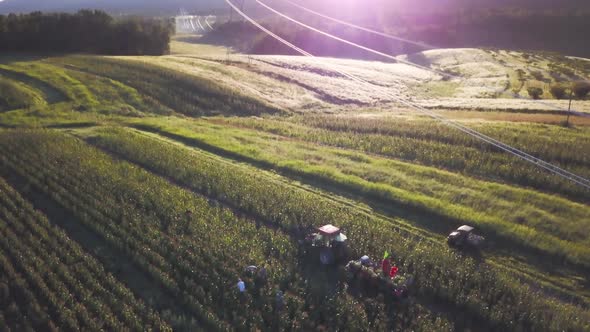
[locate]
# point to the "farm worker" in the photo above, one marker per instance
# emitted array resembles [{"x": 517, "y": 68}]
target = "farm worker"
[
  {"x": 385, "y": 265},
  {"x": 241, "y": 286},
  {"x": 279, "y": 300},
  {"x": 393, "y": 272},
  {"x": 366, "y": 260},
  {"x": 401, "y": 292},
  {"x": 262, "y": 275},
  {"x": 252, "y": 268}
]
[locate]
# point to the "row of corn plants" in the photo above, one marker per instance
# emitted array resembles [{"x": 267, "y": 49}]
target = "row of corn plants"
[
  {"x": 434, "y": 144},
  {"x": 533, "y": 222},
  {"x": 165, "y": 259},
  {"x": 54, "y": 282},
  {"x": 478, "y": 294},
  {"x": 186, "y": 94},
  {"x": 538, "y": 139},
  {"x": 14, "y": 317},
  {"x": 196, "y": 260}
]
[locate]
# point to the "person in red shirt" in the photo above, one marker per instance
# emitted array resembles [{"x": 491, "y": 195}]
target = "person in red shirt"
[{"x": 393, "y": 272}]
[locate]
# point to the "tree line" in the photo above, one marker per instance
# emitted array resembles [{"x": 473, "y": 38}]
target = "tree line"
[{"x": 87, "y": 31}]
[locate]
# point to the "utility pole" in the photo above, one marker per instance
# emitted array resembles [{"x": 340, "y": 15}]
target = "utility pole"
[
  {"x": 242, "y": 7},
  {"x": 569, "y": 109},
  {"x": 231, "y": 16}
]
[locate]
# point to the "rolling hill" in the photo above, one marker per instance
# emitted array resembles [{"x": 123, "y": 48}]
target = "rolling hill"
[{"x": 131, "y": 182}]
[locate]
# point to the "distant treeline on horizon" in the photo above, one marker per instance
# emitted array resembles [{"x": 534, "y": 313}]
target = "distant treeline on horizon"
[
  {"x": 565, "y": 32},
  {"x": 87, "y": 31}
]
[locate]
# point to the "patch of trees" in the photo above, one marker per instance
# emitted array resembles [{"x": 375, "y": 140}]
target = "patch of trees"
[
  {"x": 535, "y": 92},
  {"x": 579, "y": 90},
  {"x": 87, "y": 31},
  {"x": 559, "y": 91}
]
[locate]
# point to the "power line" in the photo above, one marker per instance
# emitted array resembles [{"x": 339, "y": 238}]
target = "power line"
[
  {"x": 509, "y": 149},
  {"x": 379, "y": 33},
  {"x": 342, "y": 40}
]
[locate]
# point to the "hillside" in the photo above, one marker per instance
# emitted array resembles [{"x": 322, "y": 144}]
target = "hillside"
[
  {"x": 135, "y": 191},
  {"x": 479, "y": 79}
]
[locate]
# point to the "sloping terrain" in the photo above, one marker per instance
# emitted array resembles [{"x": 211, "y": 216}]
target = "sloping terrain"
[
  {"x": 167, "y": 176},
  {"x": 468, "y": 79}
]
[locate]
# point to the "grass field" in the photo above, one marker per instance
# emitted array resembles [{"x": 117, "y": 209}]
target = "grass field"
[{"x": 134, "y": 191}]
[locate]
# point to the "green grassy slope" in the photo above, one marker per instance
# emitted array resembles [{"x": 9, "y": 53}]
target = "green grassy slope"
[{"x": 15, "y": 95}]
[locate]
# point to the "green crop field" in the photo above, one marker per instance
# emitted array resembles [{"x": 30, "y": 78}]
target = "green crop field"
[{"x": 134, "y": 191}]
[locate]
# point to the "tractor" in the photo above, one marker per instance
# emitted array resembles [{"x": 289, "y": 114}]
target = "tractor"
[
  {"x": 464, "y": 237},
  {"x": 329, "y": 244}
]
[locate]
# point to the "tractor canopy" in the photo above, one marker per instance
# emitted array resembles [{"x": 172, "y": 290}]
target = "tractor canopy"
[
  {"x": 329, "y": 230},
  {"x": 465, "y": 228},
  {"x": 328, "y": 235}
]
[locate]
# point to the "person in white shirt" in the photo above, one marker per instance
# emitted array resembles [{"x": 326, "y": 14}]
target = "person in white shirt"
[{"x": 241, "y": 286}]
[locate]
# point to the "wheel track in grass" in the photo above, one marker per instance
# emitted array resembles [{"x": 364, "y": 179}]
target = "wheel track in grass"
[
  {"x": 50, "y": 93},
  {"x": 382, "y": 211},
  {"x": 146, "y": 100},
  {"x": 211, "y": 99}
]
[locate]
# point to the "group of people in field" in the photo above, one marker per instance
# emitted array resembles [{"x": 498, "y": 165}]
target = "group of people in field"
[
  {"x": 388, "y": 268},
  {"x": 370, "y": 278},
  {"x": 260, "y": 279}
]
